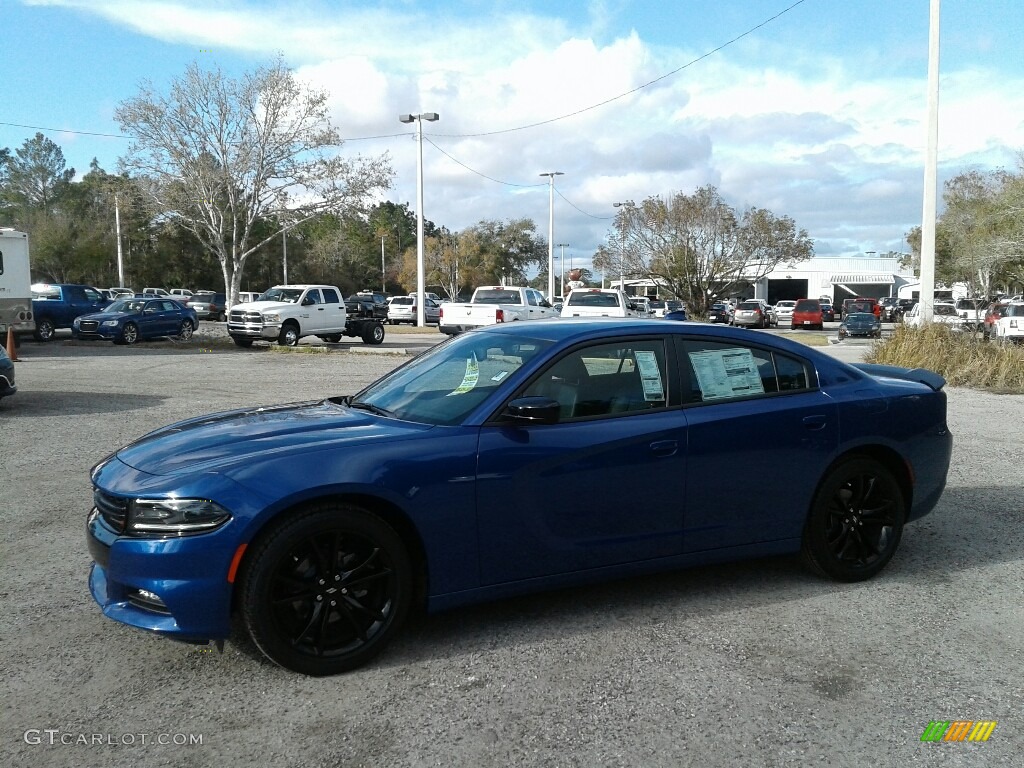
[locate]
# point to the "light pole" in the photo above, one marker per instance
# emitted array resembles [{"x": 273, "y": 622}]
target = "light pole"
[
  {"x": 551, "y": 231},
  {"x": 622, "y": 248},
  {"x": 420, "y": 268},
  {"x": 561, "y": 266},
  {"x": 383, "y": 273}
]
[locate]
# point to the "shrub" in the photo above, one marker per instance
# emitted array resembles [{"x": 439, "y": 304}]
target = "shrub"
[{"x": 962, "y": 359}]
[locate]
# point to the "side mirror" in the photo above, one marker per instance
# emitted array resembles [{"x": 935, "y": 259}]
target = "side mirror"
[
  {"x": 533, "y": 410},
  {"x": 545, "y": 303},
  {"x": 307, "y": 302}
]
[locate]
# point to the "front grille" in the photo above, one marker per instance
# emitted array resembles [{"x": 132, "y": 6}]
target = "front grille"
[
  {"x": 112, "y": 509},
  {"x": 89, "y": 325},
  {"x": 240, "y": 316}
]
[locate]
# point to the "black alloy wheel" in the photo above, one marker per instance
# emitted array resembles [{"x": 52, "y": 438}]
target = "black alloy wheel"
[
  {"x": 325, "y": 590},
  {"x": 856, "y": 521}
]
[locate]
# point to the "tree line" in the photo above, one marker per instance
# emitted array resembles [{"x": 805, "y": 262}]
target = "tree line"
[
  {"x": 223, "y": 177},
  {"x": 979, "y": 238}
]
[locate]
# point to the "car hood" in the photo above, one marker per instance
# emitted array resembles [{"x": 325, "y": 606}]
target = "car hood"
[
  {"x": 101, "y": 316},
  {"x": 265, "y": 306},
  {"x": 221, "y": 440}
]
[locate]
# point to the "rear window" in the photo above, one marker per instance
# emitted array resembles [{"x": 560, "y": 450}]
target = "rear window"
[
  {"x": 496, "y": 296},
  {"x": 49, "y": 293},
  {"x": 402, "y": 300},
  {"x": 808, "y": 305},
  {"x": 596, "y": 299},
  {"x": 750, "y": 305}
]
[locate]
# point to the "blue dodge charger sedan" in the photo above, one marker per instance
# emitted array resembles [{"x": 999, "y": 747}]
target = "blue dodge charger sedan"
[{"x": 320, "y": 525}]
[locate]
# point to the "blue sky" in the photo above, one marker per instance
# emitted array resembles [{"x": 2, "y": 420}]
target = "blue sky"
[{"x": 818, "y": 114}]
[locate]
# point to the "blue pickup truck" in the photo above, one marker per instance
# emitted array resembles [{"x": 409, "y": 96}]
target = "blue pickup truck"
[{"x": 56, "y": 305}]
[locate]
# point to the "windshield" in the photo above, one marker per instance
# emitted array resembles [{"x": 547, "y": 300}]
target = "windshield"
[
  {"x": 289, "y": 295},
  {"x": 125, "y": 305},
  {"x": 861, "y": 317},
  {"x": 446, "y": 384}
]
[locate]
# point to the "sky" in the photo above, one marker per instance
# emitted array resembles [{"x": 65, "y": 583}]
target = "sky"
[{"x": 812, "y": 109}]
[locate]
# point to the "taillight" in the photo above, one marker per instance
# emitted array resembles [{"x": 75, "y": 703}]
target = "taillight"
[
  {"x": 499, "y": 315},
  {"x": 440, "y": 314}
]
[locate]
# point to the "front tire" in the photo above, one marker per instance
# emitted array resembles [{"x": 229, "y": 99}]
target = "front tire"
[
  {"x": 289, "y": 336},
  {"x": 242, "y": 341},
  {"x": 326, "y": 589},
  {"x": 855, "y": 522},
  {"x": 130, "y": 334}
]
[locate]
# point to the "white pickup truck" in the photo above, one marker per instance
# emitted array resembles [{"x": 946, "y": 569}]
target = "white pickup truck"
[
  {"x": 599, "y": 302},
  {"x": 495, "y": 304},
  {"x": 286, "y": 313}
]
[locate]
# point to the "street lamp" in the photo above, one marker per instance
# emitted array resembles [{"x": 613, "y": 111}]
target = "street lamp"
[
  {"x": 622, "y": 249},
  {"x": 551, "y": 231},
  {"x": 420, "y": 268},
  {"x": 561, "y": 267}
]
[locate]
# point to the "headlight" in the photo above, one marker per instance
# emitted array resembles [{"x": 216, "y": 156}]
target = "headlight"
[
  {"x": 174, "y": 517},
  {"x": 108, "y": 323},
  {"x": 271, "y": 318}
]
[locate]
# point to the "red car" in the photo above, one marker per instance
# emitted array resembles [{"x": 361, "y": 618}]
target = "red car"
[{"x": 807, "y": 314}]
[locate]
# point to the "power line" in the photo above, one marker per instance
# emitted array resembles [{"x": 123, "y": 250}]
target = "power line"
[{"x": 566, "y": 116}]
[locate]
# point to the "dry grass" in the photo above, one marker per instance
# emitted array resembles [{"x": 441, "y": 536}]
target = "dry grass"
[{"x": 962, "y": 359}]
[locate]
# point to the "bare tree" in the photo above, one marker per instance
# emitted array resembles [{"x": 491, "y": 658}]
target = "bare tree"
[
  {"x": 220, "y": 155},
  {"x": 698, "y": 246}
]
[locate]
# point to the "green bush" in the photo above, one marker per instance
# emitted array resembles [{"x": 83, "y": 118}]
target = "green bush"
[{"x": 963, "y": 359}]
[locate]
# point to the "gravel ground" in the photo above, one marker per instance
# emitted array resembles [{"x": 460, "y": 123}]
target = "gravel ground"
[{"x": 751, "y": 664}]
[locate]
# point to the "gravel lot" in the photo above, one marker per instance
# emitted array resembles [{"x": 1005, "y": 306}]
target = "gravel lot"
[{"x": 755, "y": 664}]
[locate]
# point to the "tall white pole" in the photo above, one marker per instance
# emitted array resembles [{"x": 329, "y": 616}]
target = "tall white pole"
[
  {"x": 551, "y": 231},
  {"x": 561, "y": 266},
  {"x": 927, "y": 291},
  {"x": 284, "y": 255},
  {"x": 383, "y": 273},
  {"x": 120, "y": 256},
  {"x": 420, "y": 260}
]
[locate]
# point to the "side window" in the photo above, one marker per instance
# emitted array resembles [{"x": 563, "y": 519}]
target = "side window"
[
  {"x": 331, "y": 296},
  {"x": 170, "y": 306},
  {"x": 74, "y": 293},
  {"x": 532, "y": 298},
  {"x": 719, "y": 371},
  {"x": 92, "y": 295},
  {"x": 313, "y": 294},
  {"x": 606, "y": 379}
]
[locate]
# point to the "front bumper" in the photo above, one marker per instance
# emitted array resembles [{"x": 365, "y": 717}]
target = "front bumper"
[
  {"x": 188, "y": 575},
  {"x": 254, "y": 330}
]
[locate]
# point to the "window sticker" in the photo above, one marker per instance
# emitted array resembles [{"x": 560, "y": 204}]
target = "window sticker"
[
  {"x": 499, "y": 375},
  {"x": 650, "y": 375},
  {"x": 469, "y": 379},
  {"x": 726, "y": 373}
]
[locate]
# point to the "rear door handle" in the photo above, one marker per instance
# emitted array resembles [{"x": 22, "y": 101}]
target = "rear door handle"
[
  {"x": 814, "y": 423},
  {"x": 664, "y": 447}
]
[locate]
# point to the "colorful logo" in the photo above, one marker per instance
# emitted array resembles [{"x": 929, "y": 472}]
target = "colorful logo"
[{"x": 958, "y": 730}]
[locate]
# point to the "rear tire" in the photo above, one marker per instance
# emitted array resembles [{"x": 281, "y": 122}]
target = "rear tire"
[
  {"x": 45, "y": 330},
  {"x": 855, "y": 522},
  {"x": 373, "y": 334},
  {"x": 185, "y": 333}
]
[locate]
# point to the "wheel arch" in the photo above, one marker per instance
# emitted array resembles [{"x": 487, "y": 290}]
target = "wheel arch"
[
  {"x": 381, "y": 508},
  {"x": 888, "y": 458}
]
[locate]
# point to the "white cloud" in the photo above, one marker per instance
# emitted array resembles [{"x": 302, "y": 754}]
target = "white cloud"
[{"x": 814, "y": 136}]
